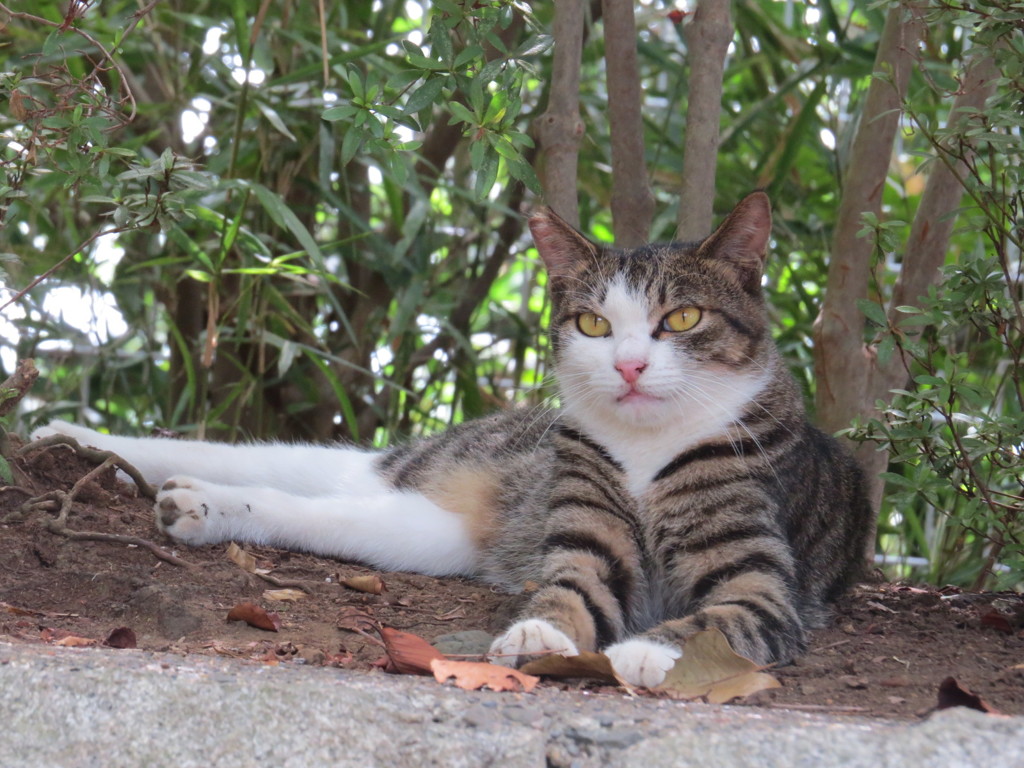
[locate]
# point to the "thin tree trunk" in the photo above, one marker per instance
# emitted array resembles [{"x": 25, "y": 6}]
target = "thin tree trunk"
[
  {"x": 925, "y": 253},
  {"x": 632, "y": 201},
  {"x": 560, "y": 128},
  {"x": 707, "y": 41},
  {"x": 842, "y": 361}
]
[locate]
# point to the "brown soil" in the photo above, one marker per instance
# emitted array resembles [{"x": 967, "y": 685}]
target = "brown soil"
[{"x": 886, "y": 654}]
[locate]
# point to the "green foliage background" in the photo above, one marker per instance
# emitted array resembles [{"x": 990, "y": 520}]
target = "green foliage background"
[{"x": 340, "y": 252}]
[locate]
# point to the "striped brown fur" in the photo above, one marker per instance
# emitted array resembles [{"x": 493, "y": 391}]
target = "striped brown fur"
[{"x": 753, "y": 527}]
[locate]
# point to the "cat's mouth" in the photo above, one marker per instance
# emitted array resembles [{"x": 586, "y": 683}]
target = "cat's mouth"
[{"x": 634, "y": 395}]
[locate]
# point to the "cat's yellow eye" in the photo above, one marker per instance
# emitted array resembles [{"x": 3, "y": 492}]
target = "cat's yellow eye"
[
  {"x": 593, "y": 325},
  {"x": 681, "y": 320}
]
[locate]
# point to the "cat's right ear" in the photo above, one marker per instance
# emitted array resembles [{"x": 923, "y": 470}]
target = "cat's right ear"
[{"x": 559, "y": 243}]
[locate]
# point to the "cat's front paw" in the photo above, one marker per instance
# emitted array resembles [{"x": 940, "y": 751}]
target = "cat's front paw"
[
  {"x": 186, "y": 511},
  {"x": 529, "y": 637},
  {"x": 642, "y": 662}
]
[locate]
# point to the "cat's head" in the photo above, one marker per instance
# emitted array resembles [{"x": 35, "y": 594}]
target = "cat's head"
[{"x": 663, "y": 331}]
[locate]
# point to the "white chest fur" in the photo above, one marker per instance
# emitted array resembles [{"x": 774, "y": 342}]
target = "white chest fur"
[{"x": 674, "y": 405}]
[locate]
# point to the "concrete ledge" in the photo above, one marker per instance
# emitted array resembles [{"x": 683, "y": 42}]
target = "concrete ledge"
[{"x": 91, "y": 707}]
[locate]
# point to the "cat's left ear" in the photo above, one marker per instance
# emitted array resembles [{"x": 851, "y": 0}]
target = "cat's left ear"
[
  {"x": 742, "y": 239},
  {"x": 559, "y": 243}
]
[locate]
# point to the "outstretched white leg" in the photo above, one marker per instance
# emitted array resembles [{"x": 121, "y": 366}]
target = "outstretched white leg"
[
  {"x": 305, "y": 470},
  {"x": 392, "y": 530},
  {"x": 326, "y": 500}
]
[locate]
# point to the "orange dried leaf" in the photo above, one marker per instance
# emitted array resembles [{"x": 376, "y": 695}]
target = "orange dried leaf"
[
  {"x": 73, "y": 641},
  {"x": 409, "y": 654},
  {"x": 255, "y": 616},
  {"x": 473, "y": 675},
  {"x": 7, "y": 607},
  {"x": 370, "y": 583}
]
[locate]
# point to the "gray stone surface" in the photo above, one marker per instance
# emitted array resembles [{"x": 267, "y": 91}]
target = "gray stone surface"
[{"x": 91, "y": 707}]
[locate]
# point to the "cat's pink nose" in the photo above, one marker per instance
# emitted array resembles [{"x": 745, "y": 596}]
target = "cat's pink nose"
[{"x": 630, "y": 370}]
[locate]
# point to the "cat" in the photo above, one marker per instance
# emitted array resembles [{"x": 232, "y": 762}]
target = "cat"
[{"x": 679, "y": 487}]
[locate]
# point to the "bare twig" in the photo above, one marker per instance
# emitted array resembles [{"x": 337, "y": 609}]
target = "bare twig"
[
  {"x": 305, "y": 586},
  {"x": 95, "y": 236}
]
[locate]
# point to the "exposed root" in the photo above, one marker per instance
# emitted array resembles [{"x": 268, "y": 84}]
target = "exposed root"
[
  {"x": 62, "y": 501},
  {"x": 91, "y": 454}
]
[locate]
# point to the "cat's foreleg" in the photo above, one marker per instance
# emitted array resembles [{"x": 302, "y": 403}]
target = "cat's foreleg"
[
  {"x": 385, "y": 528},
  {"x": 750, "y": 602},
  {"x": 582, "y": 603}
]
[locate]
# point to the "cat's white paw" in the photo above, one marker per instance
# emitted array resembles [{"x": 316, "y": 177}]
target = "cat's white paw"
[
  {"x": 186, "y": 511},
  {"x": 530, "y": 636},
  {"x": 642, "y": 662}
]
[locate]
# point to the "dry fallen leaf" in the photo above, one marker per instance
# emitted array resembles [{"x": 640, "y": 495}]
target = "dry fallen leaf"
[
  {"x": 8, "y": 608},
  {"x": 255, "y": 616},
  {"x": 993, "y": 619},
  {"x": 355, "y": 619},
  {"x": 472, "y": 675},
  {"x": 122, "y": 637},
  {"x": 241, "y": 558},
  {"x": 408, "y": 654},
  {"x": 952, "y": 694},
  {"x": 595, "y": 666},
  {"x": 283, "y": 594},
  {"x": 370, "y": 583},
  {"x": 709, "y": 668},
  {"x": 73, "y": 641}
]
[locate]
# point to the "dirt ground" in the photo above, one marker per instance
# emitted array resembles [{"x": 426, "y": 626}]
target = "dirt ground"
[{"x": 888, "y": 651}]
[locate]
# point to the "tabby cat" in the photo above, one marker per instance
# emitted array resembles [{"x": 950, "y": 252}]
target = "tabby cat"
[{"x": 680, "y": 486}]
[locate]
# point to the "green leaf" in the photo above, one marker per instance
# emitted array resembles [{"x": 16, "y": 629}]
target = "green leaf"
[
  {"x": 285, "y": 218},
  {"x": 486, "y": 174},
  {"x": 459, "y": 112},
  {"x": 885, "y": 349},
  {"x": 275, "y": 120},
  {"x": 873, "y": 312},
  {"x": 468, "y": 54},
  {"x": 425, "y": 95},
  {"x": 350, "y": 144},
  {"x": 340, "y": 112}
]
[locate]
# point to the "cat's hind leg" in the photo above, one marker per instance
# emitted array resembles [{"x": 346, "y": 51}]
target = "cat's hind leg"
[
  {"x": 305, "y": 470},
  {"x": 382, "y": 527}
]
